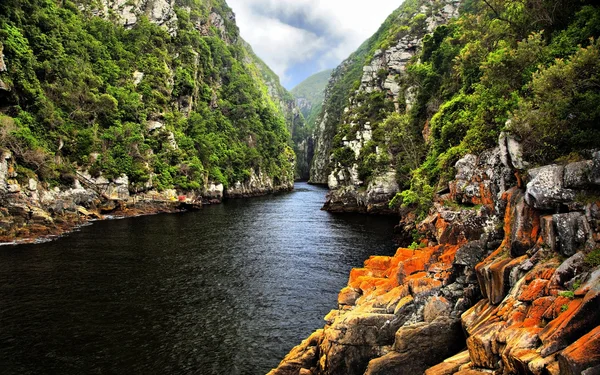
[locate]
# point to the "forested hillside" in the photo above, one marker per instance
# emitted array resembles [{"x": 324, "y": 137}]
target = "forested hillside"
[
  {"x": 478, "y": 123},
  {"x": 164, "y": 92},
  {"x": 442, "y": 79},
  {"x": 309, "y": 95}
]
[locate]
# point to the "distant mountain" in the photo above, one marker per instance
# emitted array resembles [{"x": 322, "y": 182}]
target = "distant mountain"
[{"x": 309, "y": 95}]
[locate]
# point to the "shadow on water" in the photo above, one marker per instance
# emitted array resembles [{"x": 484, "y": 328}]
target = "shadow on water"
[{"x": 226, "y": 290}]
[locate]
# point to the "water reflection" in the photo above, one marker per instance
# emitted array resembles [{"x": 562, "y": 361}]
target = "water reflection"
[{"x": 227, "y": 290}]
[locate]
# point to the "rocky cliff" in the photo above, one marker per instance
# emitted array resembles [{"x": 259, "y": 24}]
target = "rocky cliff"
[
  {"x": 308, "y": 96},
  {"x": 504, "y": 279},
  {"x": 159, "y": 100},
  {"x": 369, "y": 86}
]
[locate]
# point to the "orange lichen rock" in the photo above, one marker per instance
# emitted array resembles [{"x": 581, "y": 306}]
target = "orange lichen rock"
[
  {"x": 580, "y": 317},
  {"x": 582, "y": 354},
  {"x": 536, "y": 289}
]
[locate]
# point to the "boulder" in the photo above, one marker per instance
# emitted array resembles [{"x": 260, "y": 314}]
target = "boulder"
[
  {"x": 419, "y": 346},
  {"x": 572, "y": 232},
  {"x": 546, "y": 189},
  {"x": 577, "y": 175},
  {"x": 568, "y": 270},
  {"x": 580, "y": 317},
  {"x": 582, "y": 355},
  {"x": 436, "y": 307}
]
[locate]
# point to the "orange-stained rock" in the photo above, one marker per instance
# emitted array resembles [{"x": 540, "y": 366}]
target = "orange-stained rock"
[
  {"x": 416, "y": 276},
  {"x": 423, "y": 286},
  {"x": 448, "y": 254},
  {"x": 582, "y": 354},
  {"x": 536, "y": 311},
  {"x": 450, "y": 365},
  {"x": 418, "y": 262},
  {"x": 348, "y": 296},
  {"x": 355, "y": 274},
  {"x": 556, "y": 308},
  {"x": 493, "y": 274},
  {"x": 378, "y": 263},
  {"x": 581, "y": 316},
  {"x": 535, "y": 290}
]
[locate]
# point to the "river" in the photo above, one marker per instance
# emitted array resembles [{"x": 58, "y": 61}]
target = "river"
[{"x": 229, "y": 289}]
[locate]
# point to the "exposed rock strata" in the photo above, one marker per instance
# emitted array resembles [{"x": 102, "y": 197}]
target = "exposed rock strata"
[
  {"x": 381, "y": 74},
  {"x": 30, "y": 210},
  {"x": 498, "y": 259}
]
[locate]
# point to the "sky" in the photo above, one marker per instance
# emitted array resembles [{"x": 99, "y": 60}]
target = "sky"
[{"x": 298, "y": 38}]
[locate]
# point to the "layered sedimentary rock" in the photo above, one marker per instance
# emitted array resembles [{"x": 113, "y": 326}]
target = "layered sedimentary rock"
[{"x": 506, "y": 281}]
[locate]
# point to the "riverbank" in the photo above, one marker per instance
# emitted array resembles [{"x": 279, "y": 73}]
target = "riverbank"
[
  {"x": 33, "y": 211},
  {"x": 229, "y": 289},
  {"x": 504, "y": 279}
]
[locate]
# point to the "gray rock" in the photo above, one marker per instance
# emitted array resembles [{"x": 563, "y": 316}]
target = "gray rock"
[
  {"x": 572, "y": 232},
  {"x": 420, "y": 346},
  {"x": 511, "y": 151},
  {"x": 577, "y": 175},
  {"x": 568, "y": 270},
  {"x": 546, "y": 189},
  {"x": 470, "y": 254}
]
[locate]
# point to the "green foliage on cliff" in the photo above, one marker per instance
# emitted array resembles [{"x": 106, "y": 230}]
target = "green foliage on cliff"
[
  {"x": 172, "y": 108},
  {"x": 309, "y": 95},
  {"x": 517, "y": 60}
]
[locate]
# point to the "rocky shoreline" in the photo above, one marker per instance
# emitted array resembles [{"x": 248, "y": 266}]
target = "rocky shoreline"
[
  {"x": 505, "y": 280},
  {"x": 32, "y": 211}
]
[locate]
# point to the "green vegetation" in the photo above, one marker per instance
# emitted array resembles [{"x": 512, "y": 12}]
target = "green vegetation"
[
  {"x": 312, "y": 91},
  {"x": 567, "y": 294},
  {"x": 593, "y": 258},
  {"x": 516, "y": 60},
  {"x": 74, "y": 101}
]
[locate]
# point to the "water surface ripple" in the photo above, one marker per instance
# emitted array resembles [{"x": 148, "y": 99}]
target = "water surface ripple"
[{"x": 226, "y": 290}]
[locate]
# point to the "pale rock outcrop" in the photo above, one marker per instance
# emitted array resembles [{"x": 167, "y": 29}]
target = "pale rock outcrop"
[{"x": 379, "y": 75}]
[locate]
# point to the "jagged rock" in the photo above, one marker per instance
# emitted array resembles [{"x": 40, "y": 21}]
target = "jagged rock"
[
  {"x": 511, "y": 151},
  {"x": 480, "y": 180},
  {"x": 470, "y": 254},
  {"x": 436, "y": 307},
  {"x": 302, "y": 357},
  {"x": 580, "y": 317},
  {"x": 583, "y": 354},
  {"x": 419, "y": 346},
  {"x": 450, "y": 365},
  {"x": 546, "y": 189},
  {"x": 572, "y": 232},
  {"x": 348, "y": 296},
  {"x": 568, "y": 270}
]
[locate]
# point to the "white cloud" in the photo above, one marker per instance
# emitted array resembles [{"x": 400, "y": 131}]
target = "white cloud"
[{"x": 289, "y": 32}]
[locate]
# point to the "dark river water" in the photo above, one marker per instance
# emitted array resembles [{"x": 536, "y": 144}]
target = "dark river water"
[{"x": 226, "y": 290}]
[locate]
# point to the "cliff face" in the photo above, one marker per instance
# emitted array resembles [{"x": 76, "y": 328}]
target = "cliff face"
[
  {"x": 161, "y": 100},
  {"x": 308, "y": 97},
  {"x": 369, "y": 86},
  {"x": 505, "y": 280}
]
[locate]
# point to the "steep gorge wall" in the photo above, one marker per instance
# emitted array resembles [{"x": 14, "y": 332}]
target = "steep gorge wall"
[
  {"x": 341, "y": 138},
  {"x": 506, "y": 280},
  {"x": 160, "y": 100}
]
